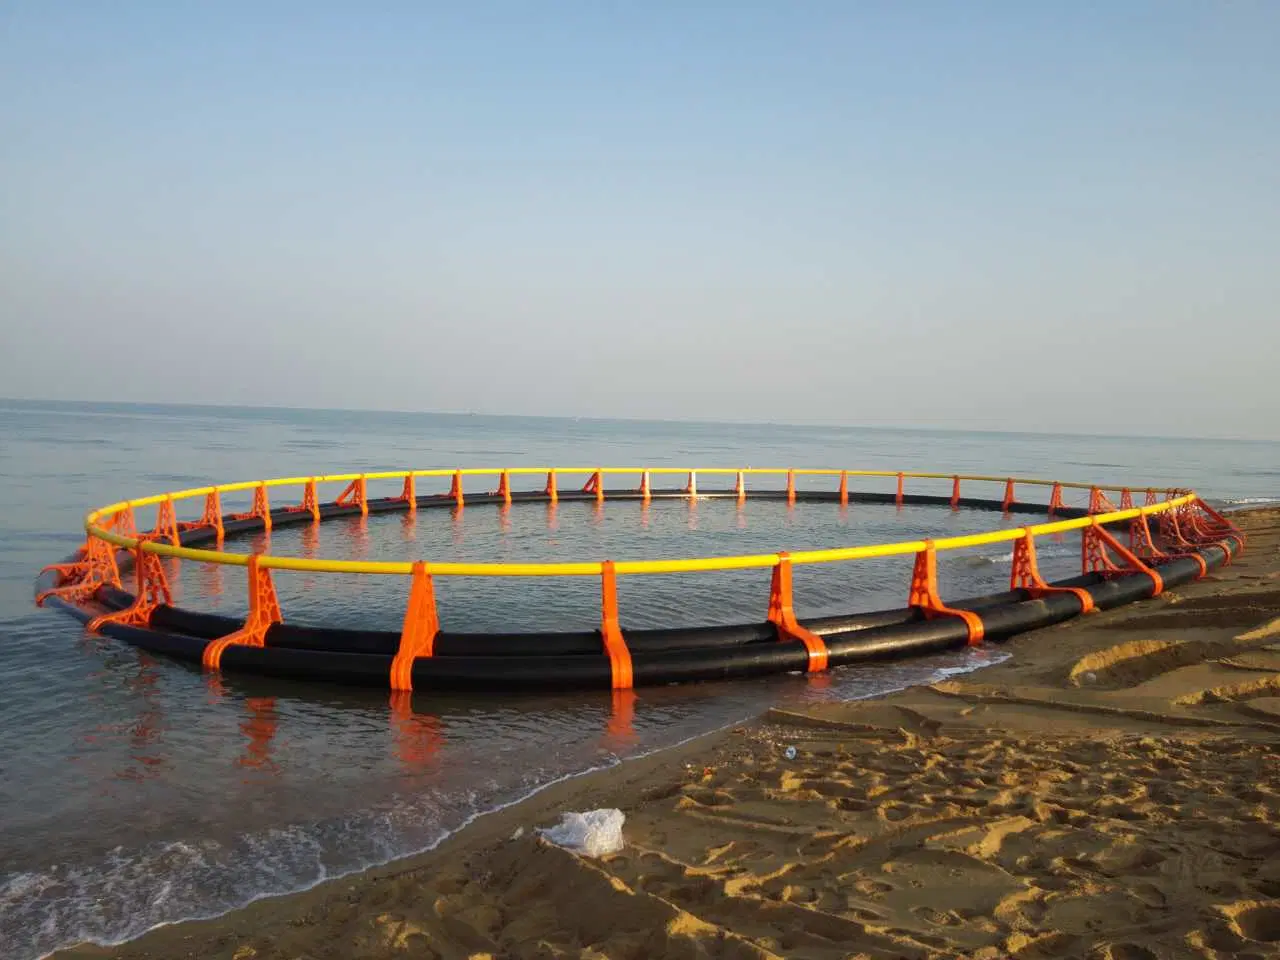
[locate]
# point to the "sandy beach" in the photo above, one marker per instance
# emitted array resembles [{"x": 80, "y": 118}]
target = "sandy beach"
[{"x": 1111, "y": 791}]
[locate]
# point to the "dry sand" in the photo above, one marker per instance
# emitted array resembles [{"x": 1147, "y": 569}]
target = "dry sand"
[{"x": 1112, "y": 791}]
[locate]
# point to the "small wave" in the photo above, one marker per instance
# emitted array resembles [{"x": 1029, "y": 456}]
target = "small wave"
[{"x": 1237, "y": 501}]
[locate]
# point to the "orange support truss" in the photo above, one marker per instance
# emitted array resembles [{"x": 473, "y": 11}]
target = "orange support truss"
[
  {"x": 1096, "y": 547},
  {"x": 550, "y": 490},
  {"x": 1055, "y": 500},
  {"x": 124, "y": 524},
  {"x": 1143, "y": 545},
  {"x": 310, "y": 502},
  {"x": 1098, "y": 502},
  {"x": 646, "y": 492},
  {"x": 901, "y": 484},
  {"x": 1025, "y": 575},
  {"x": 355, "y": 495},
  {"x": 212, "y": 516},
  {"x": 421, "y": 625},
  {"x": 924, "y": 594},
  {"x": 791, "y": 486},
  {"x": 1151, "y": 499},
  {"x": 610, "y": 632},
  {"x": 1008, "y": 496},
  {"x": 264, "y": 610},
  {"x": 79, "y": 581},
  {"x": 1217, "y": 525},
  {"x": 504, "y": 487},
  {"x": 740, "y": 487},
  {"x": 455, "y": 489},
  {"x": 152, "y": 591},
  {"x": 691, "y": 488},
  {"x": 261, "y": 508},
  {"x": 409, "y": 493},
  {"x": 782, "y": 615},
  {"x": 595, "y": 485},
  {"x": 1126, "y": 499},
  {"x": 844, "y": 488},
  {"x": 955, "y": 493},
  {"x": 166, "y": 527}
]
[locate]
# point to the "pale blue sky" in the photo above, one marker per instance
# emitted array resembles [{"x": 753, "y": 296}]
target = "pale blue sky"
[{"x": 992, "y": 215}]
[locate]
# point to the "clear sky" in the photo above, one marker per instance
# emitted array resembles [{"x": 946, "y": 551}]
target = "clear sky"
[{"x": 1044, "y": 216}]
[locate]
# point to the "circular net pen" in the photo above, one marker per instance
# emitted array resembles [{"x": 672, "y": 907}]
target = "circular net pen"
[{"x": 1128, "y": 551}]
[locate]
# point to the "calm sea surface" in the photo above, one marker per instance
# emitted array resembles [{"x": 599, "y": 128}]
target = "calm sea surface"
[{"x": 134, "y": 791}]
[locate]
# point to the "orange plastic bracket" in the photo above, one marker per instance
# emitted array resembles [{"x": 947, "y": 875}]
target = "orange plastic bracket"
[
  {"x": 1096, "y": 545},
  {"x": 355, "y": 495},
  {"x": 691, "y": 488},
  {"x": 421, "y": 625},
  {"x": 614, "y": 643},
  {"x": 409, "y": 493},
  {"x": 955, "y": 493},
  {"x": 844, "y": 488},
  {"x": 550, "y": 491},
  {"x": 645, "y": 491},
  {"x": 310, "y": 502},
  {"x": 1126, "y": 499},
  {"x": 1098, "y": 502},
  {"x": 264, "y": 610},
  {"x": 898, "y": 498},
  {"x": 504, "y": 487},
  {"x": 124, "y": 523},
  {"x": 455, "y": 490},
  {"x": 79, "y": 581},
  {"x": 740, "y": 487},
  {"x": 261, "y": 508},
  {"x": 791, "y": 486},
  {"x": 1143, "y": 545},
  {"x": 782, "y": 615},
  {"x": 1026, "y": 575},
  {"x": 1221, "y": 525},
  {"x": 166, "y": 527},
  {"x": 595, "y": 485},
  {"x": 924, "y": 594},
  {"x": 212, "y": 516},
  {"x": 152, "y": 591},
  {"x": 1008, "y": 496},
  {"x": 1152, "y": 498},
  {"x": 1055, "y": 500}
]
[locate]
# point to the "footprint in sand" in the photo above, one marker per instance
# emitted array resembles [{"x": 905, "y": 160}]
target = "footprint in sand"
[{"x": 872, "y": 888}]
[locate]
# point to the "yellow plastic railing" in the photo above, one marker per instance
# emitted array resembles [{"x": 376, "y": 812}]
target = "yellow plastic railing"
[{"x": 630, "y": 567}]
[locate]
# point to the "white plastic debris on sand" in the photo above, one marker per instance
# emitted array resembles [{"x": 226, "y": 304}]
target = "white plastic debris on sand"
[{"x": 596, "y": 833}]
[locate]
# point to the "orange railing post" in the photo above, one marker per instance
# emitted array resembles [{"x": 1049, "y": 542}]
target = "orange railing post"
[
  {"x": 740, "y": 487},
  {"x": 212, "y": 516},
  {"x": 898, "y": 498},
  {"x": 455, "y": 491},
  {"x": 692, "y": 487},
  {"x": 610, "y": 632},
  {"x": 355, "y": 495},
  {"x": 1096, "y": 547},
  {"x": 310, "y": 502},
  {"x": 550, "y": 490},
  {"x": 1008, "y": 496},
  {"x": 791, "y": 486},
  {"x": 1025, "y": 574},
  {"x": 152, "y": 591},
  {"x": 261, "y": 509},
  {"x": 79, "y": 581},
  {"x": 955, "y": 493},
  {"x": 409, "y": 493},
  {"x": 1055, "y": 499},
  {"x": 924, "y": 597},
  {"x": 782, "y": 615},
  {"x": 504, "y": 487},
  {"x": 1126, "y": 499},
  {"x": 646, "y": 493},
  {"x": 844, "y": 488},
  {"x": 1098, "y": 502},
  {"x": 421, "y": 625},
  {"x": 264, "y": 610},
  {"x": 595, "y": 485}
]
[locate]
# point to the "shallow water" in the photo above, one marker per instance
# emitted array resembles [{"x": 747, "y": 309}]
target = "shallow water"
[{"x": 134, "y": 791}]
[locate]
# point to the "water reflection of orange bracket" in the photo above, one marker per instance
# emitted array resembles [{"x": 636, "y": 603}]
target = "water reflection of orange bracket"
[
  {"x": 621, "y": 730},
  {"x": 418, "y": 736},
  {"x": 260, "y": 728}
]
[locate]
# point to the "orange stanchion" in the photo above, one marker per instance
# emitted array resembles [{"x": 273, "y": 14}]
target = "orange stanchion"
[
  {"x": 1025, "y": 575},
  {"x": 1096, "y": 547},
  {"x": 409, "y": 493},
  {"x": 955, "y": 493},
  {"x": 1143, "y": 545},
  {"x": 901, "y": 482},
  {"x": 310, "y": 502},
  {"x": 924, "y": 594},
  {"x": 595, "y": 485},
  {"x": 782, "y": 615},
  {"x": 166, "y": 527},
  {"x": 692, "y": 487},
  {"x": 124, "y": 523},
  {"x": 421, "y": 624},
  {"x": 1152, "y": 498},
  {"x": 550, "y": 490},
  {"x": 614, "y": 643},
  {"x": 355, "y": 495},
  {"x": 1008, "y": 500},
  {"x": 1055, "y": 500},
  {"x": 1170, "y": 531},
  {"x": 264, "y": 610},
  {"x": 261, "y": 508},
  {"x": 646, "y": 493},
  {"x": 1126, "y": 499},
  {"x": 740, "y": 487},
  {"x": 844, "y": 488},
  {"x": 791, "y": 486},
  {"x": 79, "y": 581},
  {"x": 504, "y": 487},
  {"x": 212, "y": 516},
  {"x": 455, "y": 491},
  {"x": 1098, "y": 502},
  {"x": 152, "y": 591},
  {"x": 1221, "y": 525}
]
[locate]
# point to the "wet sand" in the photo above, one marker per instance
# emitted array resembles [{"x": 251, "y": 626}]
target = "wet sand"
[{"x": 1112, "y": 791}]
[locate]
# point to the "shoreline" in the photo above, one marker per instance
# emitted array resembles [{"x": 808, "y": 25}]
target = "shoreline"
[{"x": 733, "y": 849}]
